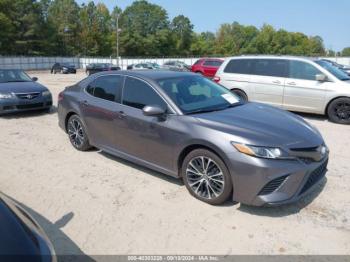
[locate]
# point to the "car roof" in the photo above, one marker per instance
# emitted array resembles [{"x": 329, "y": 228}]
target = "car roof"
[
  {"x": 274, "y": 57},
  {"x": 152, "y": 75}
]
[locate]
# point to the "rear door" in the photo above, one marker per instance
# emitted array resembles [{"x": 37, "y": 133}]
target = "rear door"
[
  {"x": 302, "y": 92},
  {"x": 268, "y": 79},
  {"x": 100, "y": 109}
]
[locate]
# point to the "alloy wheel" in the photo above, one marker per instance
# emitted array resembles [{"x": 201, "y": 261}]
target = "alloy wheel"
[
  {"x": 205, "y": 177},
  {"x": 76, "y": 133},
  {"x": 342, "y": 110}
]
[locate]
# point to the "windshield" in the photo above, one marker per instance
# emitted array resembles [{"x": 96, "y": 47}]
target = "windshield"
[
  {"x": 338, "y": 73},
  {"x": 68, "y": 64},
  {"x": 7, "y": 76},
  {"x": 196, "y": 94}
]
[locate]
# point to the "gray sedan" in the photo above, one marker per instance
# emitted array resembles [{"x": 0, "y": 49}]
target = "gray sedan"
[
  {"x": 189, "y": 127},
  {"x": 19, "y": 92}
]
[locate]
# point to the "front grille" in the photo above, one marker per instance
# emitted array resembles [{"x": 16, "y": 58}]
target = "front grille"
[
  {"x": 30, "y": 106},
  {"x": 272, "y": 186},
  {"x": 315, "y": 176},
  {"x": 28, "y": 96}
]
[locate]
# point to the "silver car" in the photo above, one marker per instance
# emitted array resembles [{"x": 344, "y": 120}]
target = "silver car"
[
  {"x": 292, "y": 83},
  {"x": 189, "y": 127}
]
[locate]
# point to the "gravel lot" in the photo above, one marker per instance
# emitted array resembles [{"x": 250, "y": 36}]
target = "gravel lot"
[{"x": 92, "y": 203}]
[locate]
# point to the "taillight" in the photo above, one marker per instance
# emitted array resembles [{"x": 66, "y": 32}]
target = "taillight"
[
  {"x": 216, "y": 79},
  {"x": 60, "y": 96}
]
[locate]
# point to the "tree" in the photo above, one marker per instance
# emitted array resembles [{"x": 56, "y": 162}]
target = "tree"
[
  {"x": 346, "y": 51},
  {"x": 203, "y": 44},
  {"x": 63, "y": 19},
  {"x": 182, "y": 31},
  {"x": 145, "y": 30}
]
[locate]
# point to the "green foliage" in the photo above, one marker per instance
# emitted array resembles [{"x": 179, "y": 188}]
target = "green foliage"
[
  {"x": 346, "y": 52},
  {"x": 62, "y": 27}
]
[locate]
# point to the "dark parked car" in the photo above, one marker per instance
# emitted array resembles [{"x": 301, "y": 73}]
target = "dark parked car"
[
  {"x": 19, "y": 92},
  {"x": 207, "y": 66},
  {"x": 187, "y": 126},
  {"x": 100, "y": 67},
  {"x": 176, "y": 66},
  {"x": 63, "y": 68},
  {"x": 21, "y": 237}
]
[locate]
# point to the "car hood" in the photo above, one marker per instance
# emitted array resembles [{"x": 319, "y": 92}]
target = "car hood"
[
  {"x": 263, "y": 125},
  {"x": 21, "y": 87}
]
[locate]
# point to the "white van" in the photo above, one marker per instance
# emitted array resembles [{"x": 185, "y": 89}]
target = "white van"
[{"x": 292, "y": 83}]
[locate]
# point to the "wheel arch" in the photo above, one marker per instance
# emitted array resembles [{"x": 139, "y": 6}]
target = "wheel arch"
[
  {"x": 241, "y": 90},
  {"x": 332, "y": 100}
]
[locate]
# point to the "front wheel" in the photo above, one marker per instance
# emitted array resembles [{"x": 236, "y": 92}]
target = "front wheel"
[
  {"x": 339, "y": 111},
  {"x": 77, "y": 134},
  {"x": 206, "y": 177}
]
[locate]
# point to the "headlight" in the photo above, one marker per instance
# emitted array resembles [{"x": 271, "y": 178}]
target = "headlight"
[
  {"x": 5, "y": 96},
  {"x": 262, "y": 152},
  {"x": 46, "y": 93}
]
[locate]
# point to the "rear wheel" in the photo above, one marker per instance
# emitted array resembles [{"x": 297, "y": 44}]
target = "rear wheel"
[
  {"x": 339, "y": 111},
  {"x": 77, "y": 133},
  {"x": 206, "y": 177},
  {"x": 240, "y": 94}
]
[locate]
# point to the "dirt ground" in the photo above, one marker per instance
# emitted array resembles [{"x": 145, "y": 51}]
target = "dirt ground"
[{"x": 92, "y": 203}]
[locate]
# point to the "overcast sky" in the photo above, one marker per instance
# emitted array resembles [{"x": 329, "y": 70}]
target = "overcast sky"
[{"x": 329, "y": 19}]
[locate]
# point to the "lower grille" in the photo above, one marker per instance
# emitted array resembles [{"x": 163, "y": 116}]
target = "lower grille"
[
  {"x": 315, "y": 176},
  {"x": 30, "y": 106},
  {"x": 272, "y": 186}
]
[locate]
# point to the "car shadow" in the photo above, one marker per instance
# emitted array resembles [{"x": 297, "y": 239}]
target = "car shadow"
[
  {"x": 288, "y": 209},
  {"x": 308, "y": 116},
  {"x": 140, "y": 168},
  {"x": 65, "y": 249},
  {"x": 30, "y": 114}
]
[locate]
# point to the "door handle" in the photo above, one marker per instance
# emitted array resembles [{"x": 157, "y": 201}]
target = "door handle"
[
  {"x": 121, "y": 115},
  {"x": 85, "y": 103},
  {"x": 276, "y": 82},
  {"x": 292, "y": 83}
]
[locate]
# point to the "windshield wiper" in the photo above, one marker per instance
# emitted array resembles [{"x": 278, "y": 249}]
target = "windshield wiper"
[{"x": 200, "y": 111}]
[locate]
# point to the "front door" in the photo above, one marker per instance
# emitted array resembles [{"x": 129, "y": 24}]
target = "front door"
[
  {"x": 302, "y": 91},
  {"x": 145, "y": 137}
]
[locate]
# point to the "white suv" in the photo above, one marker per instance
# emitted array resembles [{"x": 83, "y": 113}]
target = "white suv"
[{"x": 293, "y": 83}]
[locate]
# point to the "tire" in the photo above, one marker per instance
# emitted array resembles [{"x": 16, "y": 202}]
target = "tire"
[
  {"x": 240, "y": 94},
  {"x": 77, "y": 133},
  {"x": 199, "y": 72},
  {"x": 202, "y": 186},
  {"x": 339, "y": 111}
]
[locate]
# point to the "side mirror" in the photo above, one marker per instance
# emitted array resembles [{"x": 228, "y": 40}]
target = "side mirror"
[
  {"x": 321, "y": 78},
  {"x": 153, "y": 110},
  {"x": 34, "y": 79}
]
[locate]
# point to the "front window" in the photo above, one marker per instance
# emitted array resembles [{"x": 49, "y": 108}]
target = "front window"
[
  {"x": 302, "y": 70},
  {"x": 196, "y": 94},
  {"x": 7, "y": 76},
  {"x": 338, "y": 73}
]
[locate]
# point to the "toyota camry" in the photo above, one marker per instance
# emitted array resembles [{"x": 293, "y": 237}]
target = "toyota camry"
[{"x": 184, "y": 125}]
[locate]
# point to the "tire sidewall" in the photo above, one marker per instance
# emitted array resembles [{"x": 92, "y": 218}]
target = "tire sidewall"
[
  {"x": 227, "y": 177},
  {"x": 240, "y": 94},
  {"x": 331, "y": 111}
]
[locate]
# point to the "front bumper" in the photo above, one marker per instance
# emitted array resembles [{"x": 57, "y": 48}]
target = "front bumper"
[
  {"x": 264, "y": 182},
  {"x": 69, "y": 71},
  {"x": 15, "y": 104}
]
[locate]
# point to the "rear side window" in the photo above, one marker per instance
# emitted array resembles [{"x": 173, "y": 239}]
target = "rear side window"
[
  {"x": 139, "y": 94},
  {"x": 239, "y": 66},
  {"x": 106, "y": 87},
  {"x": 270, "y": 67},
  {"x": 212, "y": 63},
  {"x": 302, "y": 70}
]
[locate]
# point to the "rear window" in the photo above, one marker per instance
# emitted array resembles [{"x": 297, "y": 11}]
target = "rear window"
[
  {"x": 239, "y": 66},
  {"x": 261, "y": 67}
]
